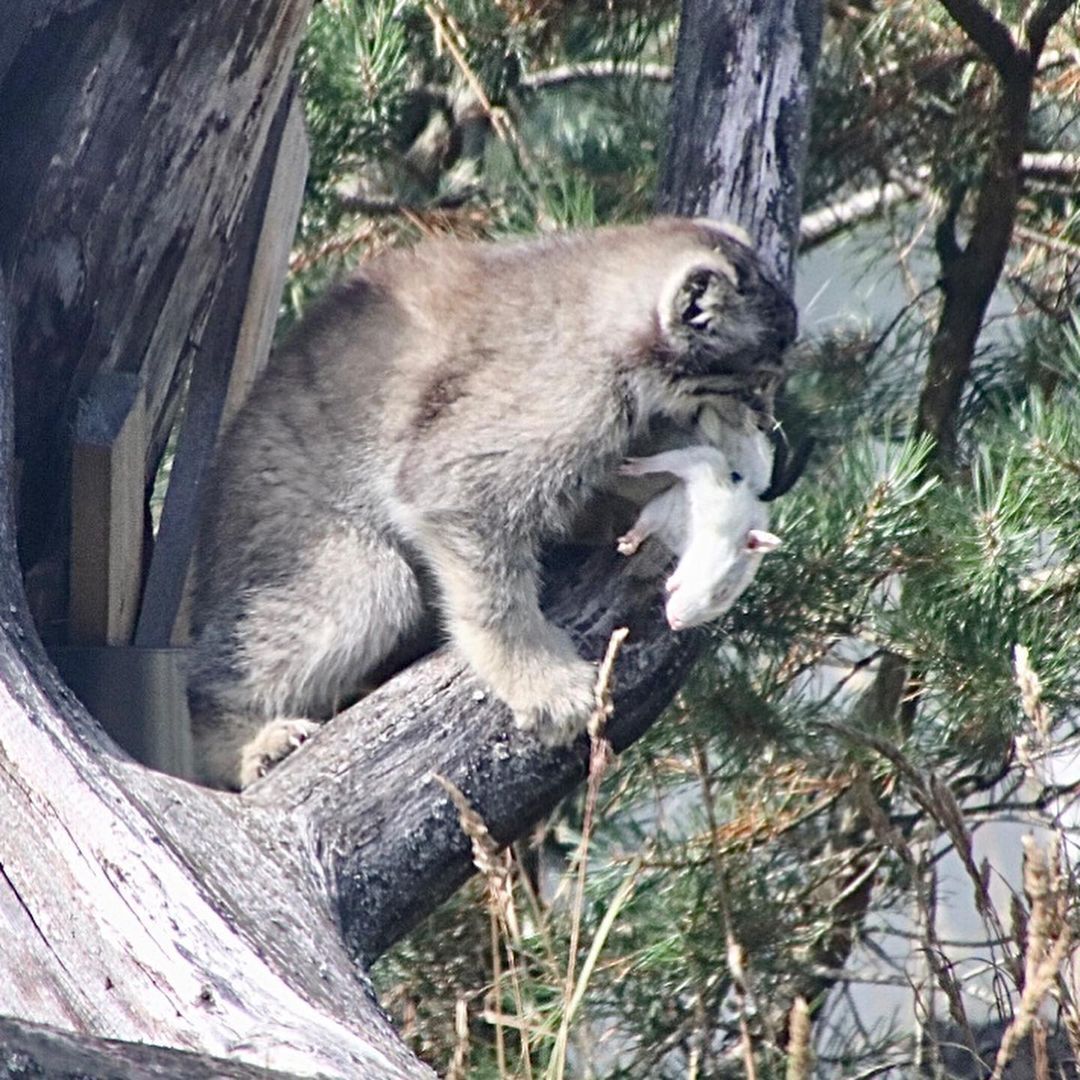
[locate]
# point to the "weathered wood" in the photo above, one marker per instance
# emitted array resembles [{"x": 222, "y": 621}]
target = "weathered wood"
[
  {"x": 271, "y": 264},
  {"x": 138, "y": 696},
  {"x": 259, "y": 319},
  {"x": 108, "y": 510},
  {"x": 751, "y": 59},
  {"x": 130, "y": 135},
  {"x": 138, "y": 907},
  {"x": 402, "y": 850},
  {"x": 47, "y": 1053},
  {"x": 213, "y": 377}
]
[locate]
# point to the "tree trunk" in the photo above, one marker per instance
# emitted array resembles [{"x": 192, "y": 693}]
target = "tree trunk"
[
  {"x": 131, "y": 133},
  {"x": 741, "y": 116},
  {"x": 135, "y": 906}
]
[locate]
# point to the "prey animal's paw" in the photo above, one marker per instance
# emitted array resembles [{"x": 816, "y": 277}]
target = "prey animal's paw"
[
  {"x": 274, "y": 742},
  {"x": 561, "y": 708},
  {"x": 634, "y": 466},
  {"x": 629, "y": 542}
]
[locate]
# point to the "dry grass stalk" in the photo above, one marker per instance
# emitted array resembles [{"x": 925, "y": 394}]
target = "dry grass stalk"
[
  {"x": 946, "y": 810},
  {"x": 605, "y": 706},
  {"x": 448, "y": 34},
  {"x": 1038, "y": 1051},
  {"x": 459, "y": 1067},
  {"x": 487, "y": 855},
  {"x": 1030, "y": 686},
  {"x": 1071, "y": 1023},
  {"x": 799, "y": 1058},
  {"x": 736, "y": 956},
  {"x": 601, "y": 756},
  {"x": 1049, "y": 939},
  {"x": 1029, "y": 745},
  {"x": 495, "y": 865}
]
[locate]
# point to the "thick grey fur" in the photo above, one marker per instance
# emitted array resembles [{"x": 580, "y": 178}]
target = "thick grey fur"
[{"x": 438, "y": 418}]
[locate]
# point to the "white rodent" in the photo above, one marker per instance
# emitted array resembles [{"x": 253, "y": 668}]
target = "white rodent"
[{"x": 713, "y": 520}]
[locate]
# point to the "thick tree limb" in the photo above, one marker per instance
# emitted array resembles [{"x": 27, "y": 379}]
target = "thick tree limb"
[
  {"x": 130, "y": 132},
  {"x": 40, "y": 1051},
  {"x": 399, "y": 849},
  {"x": 987, "y": 32},
  {"x": 142, "y": 908},
  {"x": 1042, "y": 20},
  {"x": 971, "y": 274}
]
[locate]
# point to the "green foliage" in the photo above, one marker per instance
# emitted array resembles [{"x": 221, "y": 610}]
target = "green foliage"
[
  {"x": 878, "y": 559},
  {"x": 354, "y": 68},
  {"x": 899, "y": 89},
  {"x": 398, "y": 93}
]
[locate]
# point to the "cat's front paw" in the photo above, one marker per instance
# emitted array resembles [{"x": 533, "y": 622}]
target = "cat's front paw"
[
  {"x": 562, "y": 704},
  {"x": 272, "y": 744}
]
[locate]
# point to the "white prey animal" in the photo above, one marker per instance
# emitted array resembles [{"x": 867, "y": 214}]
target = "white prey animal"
[{"x": 713, "y": 520}]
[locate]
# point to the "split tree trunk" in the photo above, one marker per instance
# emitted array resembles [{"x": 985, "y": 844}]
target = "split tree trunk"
[{"x": 134, "y": 906}]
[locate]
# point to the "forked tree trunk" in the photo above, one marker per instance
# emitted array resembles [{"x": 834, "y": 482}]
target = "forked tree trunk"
[{"x": 134, "y": 906}]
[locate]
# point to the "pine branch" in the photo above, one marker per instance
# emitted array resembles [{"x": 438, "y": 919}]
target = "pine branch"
[
  {"x": 388, "y": 205},
  {"x": 593, "y": 70},
  {"x": 1052, "y": 165},
  {"x": 821, "y": 226},
  {"x": 969, "y": 276}
]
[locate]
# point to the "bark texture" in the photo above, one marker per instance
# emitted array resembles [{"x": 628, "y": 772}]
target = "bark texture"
[
  {"x": 39, "y": 1052},
  {"x": 740, "y": 117},
  {"x": 137, "y": 907},
  {"x": 130, "y": 135}
]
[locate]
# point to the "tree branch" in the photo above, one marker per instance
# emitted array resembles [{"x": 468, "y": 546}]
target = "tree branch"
[
  {"x": 1051, "y": 165},
  {"x": 1042, "y": 20},
  {"x": 946, "y": 243},
  {"x": 970, "y": 276},
  {"x": 389, "y": 205},
  {"x": 986, "y": 31},
  {"x": 365, "y": 788},
  {"x": 43, "y": 1051},
  {"x": 822, "y": 225},
  {"x": 828, "y": 222},
  {"x": 593, "y": 70}
]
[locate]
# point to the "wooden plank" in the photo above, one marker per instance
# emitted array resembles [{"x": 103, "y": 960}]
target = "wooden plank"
[
  {"x": 230, "y": 355},
  {"x": 271, "y": 261},
  {"x": 137, "y": 695},
  {"x": 107, "y": 510},
  {"x": 264, "y": 295}
]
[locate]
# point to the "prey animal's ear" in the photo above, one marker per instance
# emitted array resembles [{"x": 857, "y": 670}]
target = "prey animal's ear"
[{"x": 761, "y": 541}]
